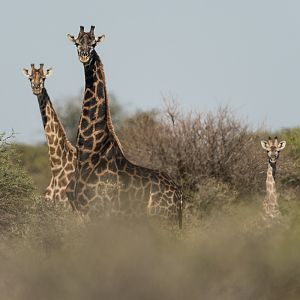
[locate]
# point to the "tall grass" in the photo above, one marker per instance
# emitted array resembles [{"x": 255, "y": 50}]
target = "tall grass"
[{"x": 60, "y": 259}]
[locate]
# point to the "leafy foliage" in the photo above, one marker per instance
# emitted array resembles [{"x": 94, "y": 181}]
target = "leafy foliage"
[
  {"x": 35, "y": 160},
  {"x": 16, "y": 190}
]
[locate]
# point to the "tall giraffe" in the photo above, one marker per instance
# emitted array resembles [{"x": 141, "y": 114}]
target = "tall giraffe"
[
  {"x": 270, "y": 204},
  {"x": 105, "y": 182},
  {"x": 61, "y": 152}
]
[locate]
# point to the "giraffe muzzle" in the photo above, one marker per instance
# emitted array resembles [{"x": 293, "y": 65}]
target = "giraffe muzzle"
[
  {"x": 84, "y": 56},
  {"x": 36, "y": 91}
]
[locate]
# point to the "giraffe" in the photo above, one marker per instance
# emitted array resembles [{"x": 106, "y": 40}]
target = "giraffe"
[
  {"x": 105, "y": 182},
  {"x": 270, "y": 204},
  {"x": 61, "y": 152}
]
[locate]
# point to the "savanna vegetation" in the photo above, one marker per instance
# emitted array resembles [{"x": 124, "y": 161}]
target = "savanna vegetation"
[{"x": 45, "y": 253}]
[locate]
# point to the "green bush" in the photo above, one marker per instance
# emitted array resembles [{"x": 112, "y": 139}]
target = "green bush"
[
  {"x": 35, "y": 160},
  {"x": 16, "y": 191}
]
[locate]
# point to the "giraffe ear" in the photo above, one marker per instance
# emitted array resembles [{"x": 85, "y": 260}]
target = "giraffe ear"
[
  {"x": 265, "y": 145},
  {"x": 99, "y": 39},
  {"x": 281, "y": 145},
  {"x": 48, "y": 72},
  {"x": 71, "y": 38},
  {"x": 26, "y": 73}
]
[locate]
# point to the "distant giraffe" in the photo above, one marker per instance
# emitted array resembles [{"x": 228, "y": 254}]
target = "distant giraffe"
[
  {"x": 101, "y": 163},
  {"x": 270, "y": 204},
  {"x": 61, "y": 152}
]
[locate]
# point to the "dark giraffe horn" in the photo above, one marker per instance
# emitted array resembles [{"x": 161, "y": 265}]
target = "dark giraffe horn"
[
  {"x": 32, "y": 67},
  {"x": 81, "y": 29},
  {"x": 92, "y": 30},
  {"x": 41, "y": 66}
]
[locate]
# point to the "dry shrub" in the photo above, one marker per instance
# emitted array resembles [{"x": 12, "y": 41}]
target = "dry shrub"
[
  {"x": 212, "y": 199},
  {"x": 196, "y": 147}
]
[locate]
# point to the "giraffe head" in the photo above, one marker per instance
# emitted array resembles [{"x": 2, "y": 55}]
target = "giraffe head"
[
  {"x": 273, "y": 148},
  {"x": 37, "y": 77},
  {"x": 85, "y": 43}
]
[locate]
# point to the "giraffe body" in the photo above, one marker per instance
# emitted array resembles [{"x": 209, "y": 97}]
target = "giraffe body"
[
  {"x": 105, "y": 182},
  {"x": 270, "y": 204},
  {"x": 62, "y": 154}
]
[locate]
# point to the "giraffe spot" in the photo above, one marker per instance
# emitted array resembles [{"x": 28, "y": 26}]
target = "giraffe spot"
[
  {"x": 154, "y": 188},
  {"x": 102, "y": 166},
  {"x": 145, "y": 181},
  {"x": 88, "y": 94},
  {"x": 100, "y": 126},
  {"x": 121, "y": 163},
  {"x": 84, "y": 123},
  {"x": 69, "y": 167},
  {"x": 130, "y": 168},
  {"x": 95, "y": 158},
  {"x": 88, "y": 131},
  {"x": 89, "y": 143},
  {"x": 50, "y": 139},
  {"x": 89, "y": 192},
  {"x": 99, "y": 135},
  {"x": 124, "y": 179},
  {"x": 108, "y": 178},
  {"x": 92, "y": 112},
  {"x": 106, "y": 146},
  {"x": 139, "y": 194},
  {"x": 52, "y": 150},
  {"x": 63, "y": 181},
  {"x": 56, "y": 160},
  {"x": 170, "y": 194},
  {"x": 91, "y": 102},
  {"x": 85, "y": 112},
  {"x": 100, "y": 89},
  {"x": 55, "y": 172},
  {"x": 112, "y": 166},
  {"x": 58, "y": 152},
  {"x": 155, "y": 179},
  {"x": 136, "y": 182},
  {"x": 93, "y": 178}
]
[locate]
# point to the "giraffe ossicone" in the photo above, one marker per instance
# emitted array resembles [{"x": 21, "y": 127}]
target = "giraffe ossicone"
[{"x": 100, "y": 159}]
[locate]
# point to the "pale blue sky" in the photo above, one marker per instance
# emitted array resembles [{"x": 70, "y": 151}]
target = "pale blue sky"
[{"x": 205, "y": 53}]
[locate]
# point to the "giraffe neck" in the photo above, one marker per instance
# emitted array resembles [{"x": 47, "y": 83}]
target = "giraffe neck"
[
  {"x": 270, "y": 203},
  {"x": 96, "y": 132},
  {"x": 59, "y": 148}
]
